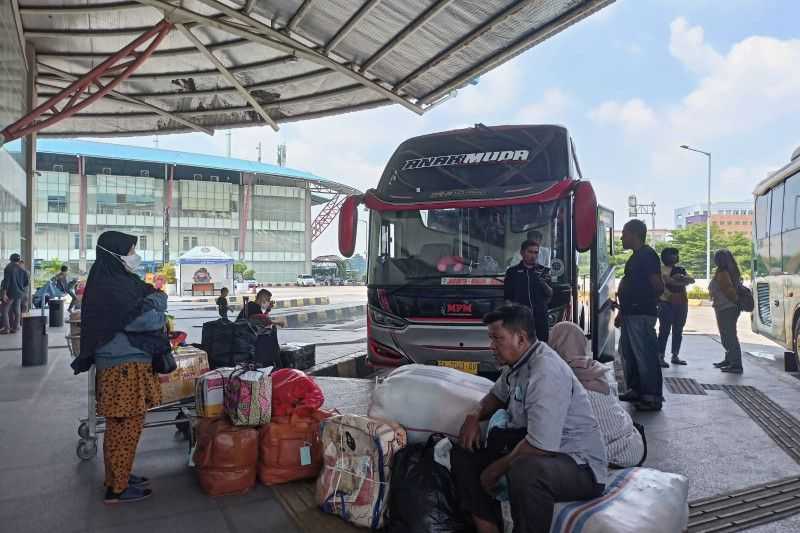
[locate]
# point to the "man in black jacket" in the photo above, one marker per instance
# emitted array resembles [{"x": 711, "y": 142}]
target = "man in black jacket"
[
  {"x": 528, "y": 284},
  {"x": 12, "y": 290}
]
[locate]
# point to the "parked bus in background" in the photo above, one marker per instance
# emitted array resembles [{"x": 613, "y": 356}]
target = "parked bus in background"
[
  {"x": 448, "y": 218},
  {"x": 776, "y": 256}
]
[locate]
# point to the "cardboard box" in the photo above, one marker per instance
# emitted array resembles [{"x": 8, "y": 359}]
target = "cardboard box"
[{"x": 178, "y": 385}]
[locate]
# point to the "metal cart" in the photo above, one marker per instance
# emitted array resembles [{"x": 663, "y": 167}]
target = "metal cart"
[{"x": 90, "y": 427}]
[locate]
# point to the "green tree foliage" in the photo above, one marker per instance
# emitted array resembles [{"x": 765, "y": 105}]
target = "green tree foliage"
[
  {"x": 242, "y": 271},
  {"x": 46, "y": 270},
  {"x": 168, "y": 271}
]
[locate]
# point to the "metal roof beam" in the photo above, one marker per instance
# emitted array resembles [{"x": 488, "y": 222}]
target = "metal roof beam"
[
  {"x": 299, "y": 14},
  {"x": 227, "y": 75},
  {"x": 114, "y": 95},
  {"x": 466, "y": 41},
  {"x": 248, "y": 7},
  {"x": 78, "y": 9},
  {"x": 175, "y": 52},
  {"x": 48, "y": 113},
  {"x": 531, "y": 39},
  {"x": 268, "y": 36},
  {"x": 228, "y": 90},
  {"x": 237, "y": 109},
  {"x": 416, "y": 24},
  {"x": 350, "y": 25}
]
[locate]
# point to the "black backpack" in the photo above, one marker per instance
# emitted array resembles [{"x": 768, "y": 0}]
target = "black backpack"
[{"x": 744, "y": 298}]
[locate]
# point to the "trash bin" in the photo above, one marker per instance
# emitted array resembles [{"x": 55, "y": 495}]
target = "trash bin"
[
  {"x": 34, "y": 340},
  {"x": 56, "y": 306}
]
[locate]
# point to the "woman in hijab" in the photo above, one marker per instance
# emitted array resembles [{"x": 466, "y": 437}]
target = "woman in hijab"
[
  {"x": 127, "y": 387},
  {"x": 624, "y": 443}
]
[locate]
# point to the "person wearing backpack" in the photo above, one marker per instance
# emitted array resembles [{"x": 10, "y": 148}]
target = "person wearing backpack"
[{"x": 724, "y": 289}]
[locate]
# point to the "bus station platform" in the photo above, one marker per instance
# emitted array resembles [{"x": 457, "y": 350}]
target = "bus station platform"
[{"x": 736, "y": 438}]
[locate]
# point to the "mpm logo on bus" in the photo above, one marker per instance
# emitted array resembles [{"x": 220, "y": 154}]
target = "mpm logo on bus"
[
  {"x": 466, "y": 159},
  {"x": 457, "y": 309}
]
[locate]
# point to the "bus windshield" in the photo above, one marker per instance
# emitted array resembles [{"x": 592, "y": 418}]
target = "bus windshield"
[{"x": 430, "y": 246}]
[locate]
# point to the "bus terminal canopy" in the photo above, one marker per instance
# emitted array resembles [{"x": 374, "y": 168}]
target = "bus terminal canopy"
[{"x": 140, "y": 67}]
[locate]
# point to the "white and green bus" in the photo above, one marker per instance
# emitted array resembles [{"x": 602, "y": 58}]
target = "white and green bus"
[{"x": 776, "y": 256}]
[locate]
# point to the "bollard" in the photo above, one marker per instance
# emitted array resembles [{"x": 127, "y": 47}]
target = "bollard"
[
  {"x": 56, "y": 306},
  {"x": 790, "y": 362},
  {"x": 34, "y": 340}
]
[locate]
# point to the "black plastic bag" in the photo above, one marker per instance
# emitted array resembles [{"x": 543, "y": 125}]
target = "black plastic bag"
[{"x": 422, "y": 497}]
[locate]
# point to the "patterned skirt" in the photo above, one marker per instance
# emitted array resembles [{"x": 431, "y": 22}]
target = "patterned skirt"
[{"x": 127, "y": 390}]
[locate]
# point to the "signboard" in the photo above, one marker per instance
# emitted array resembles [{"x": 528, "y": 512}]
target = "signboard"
[{"x": 472, "y": 281}]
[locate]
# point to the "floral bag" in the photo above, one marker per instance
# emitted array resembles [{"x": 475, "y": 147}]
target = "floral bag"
[{"x": 248, "y": 396}]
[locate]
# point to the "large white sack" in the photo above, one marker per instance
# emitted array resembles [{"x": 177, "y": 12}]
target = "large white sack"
[
  {"x": 427, "y": 399},
  {"x": 635, "y": 500}
]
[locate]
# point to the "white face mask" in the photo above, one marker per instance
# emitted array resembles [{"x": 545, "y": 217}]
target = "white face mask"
[{"x": 130, "y": 262}]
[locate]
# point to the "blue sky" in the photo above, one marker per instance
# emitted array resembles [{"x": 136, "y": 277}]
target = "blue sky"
[{"x": 632, "y": 83}]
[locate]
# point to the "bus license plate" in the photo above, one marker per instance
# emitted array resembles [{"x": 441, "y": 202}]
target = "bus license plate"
[{"x": 470, "y": 367}]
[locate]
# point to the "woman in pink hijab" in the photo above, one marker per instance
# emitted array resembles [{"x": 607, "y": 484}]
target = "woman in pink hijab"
[{"x": 624, "y": 443}]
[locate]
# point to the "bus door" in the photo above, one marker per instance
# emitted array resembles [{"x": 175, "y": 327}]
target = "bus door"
[{"x": 603, "y": 288}]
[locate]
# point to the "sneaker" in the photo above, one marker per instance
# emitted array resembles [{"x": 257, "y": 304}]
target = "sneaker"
[
  {"x": 138, "y": 481},
  {"x": 630, "y": 396},
  {"x": 129, "y": 495},
  {"x": 4, "y": 331},
  {"x": 732, "y": 369},
  {"x": 648, "y": 406},
  {"x": 677, "y": 360},
  {"x": 722, "y": 364},
  {"x": 663, "y": 363}
]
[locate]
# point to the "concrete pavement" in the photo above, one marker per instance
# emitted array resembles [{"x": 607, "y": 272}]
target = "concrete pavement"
[{"x": 45, "y": 487}]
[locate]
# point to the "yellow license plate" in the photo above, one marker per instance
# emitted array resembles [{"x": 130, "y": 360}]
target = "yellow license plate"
[{"x": 470, "y": 367}]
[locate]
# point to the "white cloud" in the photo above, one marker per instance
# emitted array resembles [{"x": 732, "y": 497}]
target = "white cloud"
[
  {"x": 634, "y": 115},
  {"x": 687, "y": 44},
  {"x": 550, "y": 109}
]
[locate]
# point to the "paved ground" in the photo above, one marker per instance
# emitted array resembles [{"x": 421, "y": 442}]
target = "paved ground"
[{"x": 45, "y": 487}]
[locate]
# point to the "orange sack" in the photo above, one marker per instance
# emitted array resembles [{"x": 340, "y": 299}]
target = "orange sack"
[
  {"x": 289, "y": 447},
  {"x": 226, "y": 457}
]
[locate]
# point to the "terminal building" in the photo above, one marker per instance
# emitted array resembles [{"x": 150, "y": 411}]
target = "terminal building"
[
  {"x": 173, "y": 202},
  {"x": 730, "y": 217}
]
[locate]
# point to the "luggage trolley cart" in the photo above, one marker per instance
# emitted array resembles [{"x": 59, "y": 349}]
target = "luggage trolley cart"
[{"x": 90, "y": 427}]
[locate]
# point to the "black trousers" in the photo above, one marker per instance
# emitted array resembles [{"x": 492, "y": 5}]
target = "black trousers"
[{"x": 536, "y": 483}]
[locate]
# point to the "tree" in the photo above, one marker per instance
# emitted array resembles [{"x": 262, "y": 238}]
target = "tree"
[
  {"x": 242, "y": 271},
  {"x": 691, "y": 242},
  {"x": 47, "y": 269},
  {"x": 167, "y": 270}
]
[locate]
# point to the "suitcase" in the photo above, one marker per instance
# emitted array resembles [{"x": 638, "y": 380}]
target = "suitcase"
[
  {"x": 226, "y": 457},
  {"x": 357, "y": 460},
  {"x": 267, "y": 349},
  {"x": 289, "y": 447},
  {"x": 301, "y": 356}
]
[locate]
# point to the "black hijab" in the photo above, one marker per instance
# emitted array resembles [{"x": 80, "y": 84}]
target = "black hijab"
[{"x": 112, "y": 299}]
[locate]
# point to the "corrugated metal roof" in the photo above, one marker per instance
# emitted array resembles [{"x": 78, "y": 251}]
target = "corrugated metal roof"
[
  {"x": 173, "y": 157},
  {"x": 286, "y": 60}
]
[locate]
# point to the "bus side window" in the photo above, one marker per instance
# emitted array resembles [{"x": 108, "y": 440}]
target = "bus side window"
[
  {"x": 761, "y": 248},
  {"x": 775, "y": 231},
  {"x": 791, "y": 225}
]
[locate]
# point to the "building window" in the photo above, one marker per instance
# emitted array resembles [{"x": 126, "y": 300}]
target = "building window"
[
  {"x": 194, "y": 242},
  {"x": 89, "y": 244},
  {"x": 236, "y": 244},
  {"x": 56, "y": 204},
  {"x": 143, "y": 242},
  {"x": 76, "y": 241},
  {"x": 185, "y": 243}
]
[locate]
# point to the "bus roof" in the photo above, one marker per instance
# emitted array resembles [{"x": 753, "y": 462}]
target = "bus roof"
[
  {"x": 780, "y": 175},
  {"x": 479, "y": 162}
]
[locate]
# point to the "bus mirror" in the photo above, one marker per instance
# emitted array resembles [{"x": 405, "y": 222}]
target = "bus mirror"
[
  {"x": 348, "y": 225},
  {"x": 585, "y": 205}
]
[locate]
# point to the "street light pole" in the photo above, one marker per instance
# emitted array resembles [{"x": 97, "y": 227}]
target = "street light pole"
[{"x": 708, "y": 210}]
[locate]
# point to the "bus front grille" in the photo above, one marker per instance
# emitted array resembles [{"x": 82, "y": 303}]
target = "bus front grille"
[{"x": 764, "y": 310}]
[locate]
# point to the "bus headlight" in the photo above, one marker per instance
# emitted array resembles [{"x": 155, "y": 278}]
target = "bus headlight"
[{"x": 385, "y": 320}]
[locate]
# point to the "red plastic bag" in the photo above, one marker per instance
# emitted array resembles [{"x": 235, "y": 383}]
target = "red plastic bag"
[{"x": 292, "y": 389}]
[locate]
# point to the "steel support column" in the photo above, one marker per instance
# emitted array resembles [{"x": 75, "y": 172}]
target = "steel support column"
[
  {"x": 29, "y": 150},
  {"x": 82, "y": 208},
  {"x": 79, "y": 94},
  {"x": 169, "y": 171}
]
